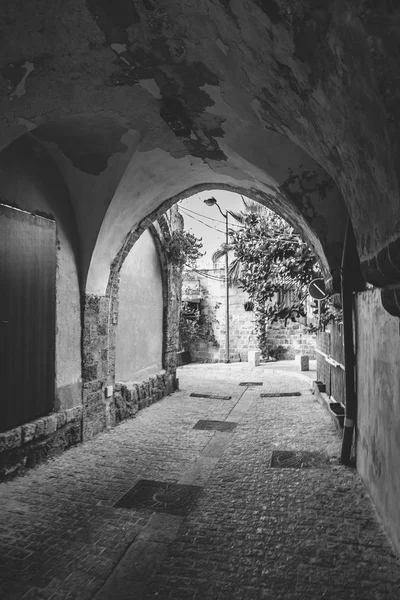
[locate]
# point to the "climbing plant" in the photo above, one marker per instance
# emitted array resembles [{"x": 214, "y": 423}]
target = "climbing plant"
[
  {"x": 272, "y": 264},
  {"x": 198, "y": 326},
  {"x": 184, "y": 248}
]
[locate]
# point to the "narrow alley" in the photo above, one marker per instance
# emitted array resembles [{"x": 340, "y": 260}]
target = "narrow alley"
[{"x": 238, "y": 528}]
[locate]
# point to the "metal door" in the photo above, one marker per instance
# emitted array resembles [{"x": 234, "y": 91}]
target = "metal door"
[{"x": 27, "y": 315}]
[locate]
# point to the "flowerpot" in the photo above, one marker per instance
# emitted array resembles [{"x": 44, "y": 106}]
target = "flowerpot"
[{"x": 338, "y": 411}]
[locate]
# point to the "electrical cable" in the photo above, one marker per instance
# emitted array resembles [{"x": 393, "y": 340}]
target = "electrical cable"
[
  {"x": 208, "y": 276},
  {"x": 210, "y": 218},
  {"x": 205, "y": 224}
]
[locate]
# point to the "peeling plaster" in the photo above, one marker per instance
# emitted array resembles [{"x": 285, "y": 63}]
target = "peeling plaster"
[
  {"x": 119, "y": 48},
  {"x": 25, "y": 123},
  {"x": 88, "y": 141},
  {"x": 223, "y": 47},
  {"x": 20, "y": 91},
  {"x": 151, "y": 86}
]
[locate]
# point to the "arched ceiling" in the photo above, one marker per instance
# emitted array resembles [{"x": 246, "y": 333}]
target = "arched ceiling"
[{"x": 139, "y": 101}]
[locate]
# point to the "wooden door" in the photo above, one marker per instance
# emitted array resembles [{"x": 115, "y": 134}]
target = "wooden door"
[{"x": 27, "y": 315}]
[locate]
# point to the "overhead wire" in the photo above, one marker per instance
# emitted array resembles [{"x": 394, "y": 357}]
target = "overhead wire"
[
  {"x": 208, "y": 276},
  {"x": 205, "y": 224},
  {"x": 262, "y": 237},
  {"x": 210, "y": 218}
]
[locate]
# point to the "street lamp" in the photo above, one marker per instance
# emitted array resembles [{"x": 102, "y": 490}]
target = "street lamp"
[{"x": 212, "y": 202}]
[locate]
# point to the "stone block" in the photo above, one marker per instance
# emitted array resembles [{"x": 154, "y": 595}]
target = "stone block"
[
  {"x": 73, "y": 414},
  {"x": 302, "y": 360},
  {"x": 40, "y": 428},
  {"x": 89, "y": 372},
  {"x": 127, "y": 394},
  {"x": 10, "y": 439},
  {"x": 104, "y": 307},
  {"x": 119, "y": 401},
  {"x": 28, "y": 432},
  {"x": 102, "y": 330},
  {"x": 50, "y": 424},
  {"x": 143, "y": 391},
  {"x": 135, "y": 394},
  {"x": 93, "y": 386},
  {"x": 93, "y": 400},
  {"x": 254, "y": 357},
  {"x": 61, "y": 419}
]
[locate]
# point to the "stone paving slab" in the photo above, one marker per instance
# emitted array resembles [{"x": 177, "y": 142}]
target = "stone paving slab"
[{"x": 255, "y": 532}]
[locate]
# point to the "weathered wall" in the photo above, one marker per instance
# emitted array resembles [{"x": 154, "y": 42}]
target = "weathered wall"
[
  {"x": 242, "y": 331},
  {"x": 139, "y": 337},
  {"x": 31, "y": 181},
  {"x": 136, "y": 109},
  {"x": 242, "y": 337},
  {"x": 101, "y": 316},
  {"x": 378, "y": 393},
  {"x": 293, "y": 337}
]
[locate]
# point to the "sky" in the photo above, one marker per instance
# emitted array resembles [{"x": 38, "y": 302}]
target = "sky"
[{"x": 208, "y": 223}]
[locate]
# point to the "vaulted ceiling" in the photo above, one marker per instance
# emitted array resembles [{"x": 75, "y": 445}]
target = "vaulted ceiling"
[{"x": 294, "y": 102}]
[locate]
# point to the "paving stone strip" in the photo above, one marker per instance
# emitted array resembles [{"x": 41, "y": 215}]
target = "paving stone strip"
[
  {"x": 131, "y": 575},
  {"x": 213, "y": 397}
]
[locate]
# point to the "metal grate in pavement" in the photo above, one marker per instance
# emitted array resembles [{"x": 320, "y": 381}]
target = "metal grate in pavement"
[
  {"x": 215, "y": 425},
  {"x": 212, "y": 396},
  {"x": 291, "y": 459},
  {"x": 250, "y": 383},
  {"x": 161, "y": 496},
  {"x": 279, "y": 394}
]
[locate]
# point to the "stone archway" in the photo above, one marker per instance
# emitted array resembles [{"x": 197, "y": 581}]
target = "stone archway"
[{"x": 103, "y": 408}]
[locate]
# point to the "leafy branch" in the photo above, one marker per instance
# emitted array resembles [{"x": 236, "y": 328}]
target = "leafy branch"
[{"x": 183, "y": 248}]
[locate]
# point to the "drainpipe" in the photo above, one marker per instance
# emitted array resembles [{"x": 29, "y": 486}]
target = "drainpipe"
[{"x": 347, "y": 282}]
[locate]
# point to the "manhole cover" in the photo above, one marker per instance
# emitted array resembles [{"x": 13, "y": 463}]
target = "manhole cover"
[
  {"x": 161, "y": 496},
  {"x": 215, "y": 425},
  {"x": 287, "y": 459},
  {"x": 213, "y": 397},
  {"x": 250, "y": 383},
  {"x": 280, "y": 394}
]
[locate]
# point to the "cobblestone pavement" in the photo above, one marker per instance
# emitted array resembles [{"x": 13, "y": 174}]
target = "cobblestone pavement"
[{"x": 255, "y": 532}]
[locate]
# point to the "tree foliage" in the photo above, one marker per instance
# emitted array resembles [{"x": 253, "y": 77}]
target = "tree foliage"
[
  {"x": 184, "y": 248},
  {"x": 272, "y": 264}
]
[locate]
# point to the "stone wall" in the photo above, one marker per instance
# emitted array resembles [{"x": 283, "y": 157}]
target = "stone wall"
[
  {"x": 242, "y": 332},
  {"x": 378, "y": 397},
  {"x": 25, "y": 446},
  {"x": 293, "y": 338},
  {"x": 131, "y": 397},
  {"x": 101, "y": 410},
  {"x": 242, "y": 335},
  {"x": 103, "y": 402}
]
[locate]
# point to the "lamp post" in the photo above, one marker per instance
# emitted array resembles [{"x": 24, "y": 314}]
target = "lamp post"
[{"x": 212, "y": 202}]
